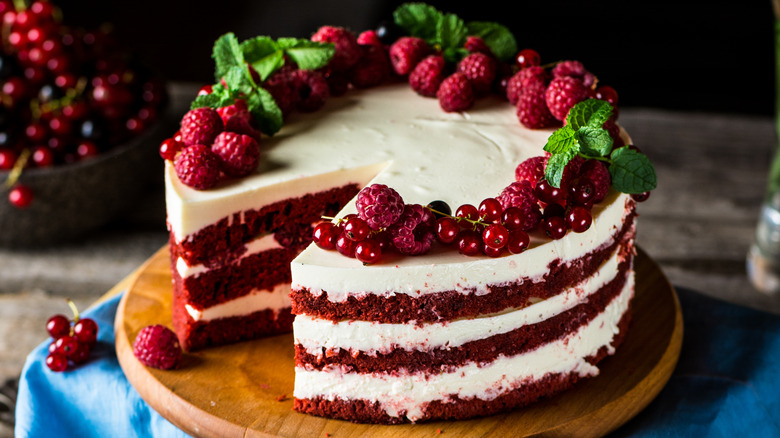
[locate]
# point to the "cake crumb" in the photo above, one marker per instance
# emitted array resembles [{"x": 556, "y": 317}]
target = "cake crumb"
[{"x": 281, "y": 397}]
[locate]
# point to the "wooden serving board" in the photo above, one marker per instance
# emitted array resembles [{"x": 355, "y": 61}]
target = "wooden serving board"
[{"x": 246, "y": 389}]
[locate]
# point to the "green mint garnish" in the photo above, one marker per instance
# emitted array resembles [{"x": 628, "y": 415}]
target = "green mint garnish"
[
  {"x": 448, "y": 32},
  {"x": 234, "y": 79},
  {"x": 584, "y": 135}
]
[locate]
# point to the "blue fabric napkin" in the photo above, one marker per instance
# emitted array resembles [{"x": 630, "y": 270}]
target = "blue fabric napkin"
[{"x": 727, "y": 382}]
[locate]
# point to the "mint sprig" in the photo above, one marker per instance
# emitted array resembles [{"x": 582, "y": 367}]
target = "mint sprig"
[
  {"x": 584, "y": 135},
  {"x": 448, "y": 32},
  {"x": 234, "y": 78}
]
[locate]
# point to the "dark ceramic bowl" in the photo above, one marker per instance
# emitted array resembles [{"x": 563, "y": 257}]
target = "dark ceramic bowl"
[{"x": 72, "y": 200}]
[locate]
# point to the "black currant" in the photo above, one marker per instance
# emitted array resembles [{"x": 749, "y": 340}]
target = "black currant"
[
  {"x": 441, "y": 208},
  {"x": 388, "y": 32}
]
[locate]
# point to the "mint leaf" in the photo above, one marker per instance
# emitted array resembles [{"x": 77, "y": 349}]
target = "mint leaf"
[
  {"x": 631, "y": 171},
  {"x": 227, "y": 54},
  {"x": 562, "y": 140},
  {"x": 594, "y": 142},
  {"x": 500, "y": 40},
  {"x": 239, "y": 81},
  {"x": 263, "y": 54},
  {"x": 591, "y": 112},
  {"x": 419, "y": 20},
  {"x": 451, "y": 31},
  {"x": 453, "y": 54},
  {"x": 553, "y": 173},
  {"x": 265, "y": 111},
  {"x": 206, "y": 100},
  {"x": 309, "y": 55}
]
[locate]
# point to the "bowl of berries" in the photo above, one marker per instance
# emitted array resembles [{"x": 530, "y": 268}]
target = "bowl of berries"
[{"x": 79, "y": 119}]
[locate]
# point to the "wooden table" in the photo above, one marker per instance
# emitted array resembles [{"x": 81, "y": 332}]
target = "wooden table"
[{"x": 697, "y": 225}]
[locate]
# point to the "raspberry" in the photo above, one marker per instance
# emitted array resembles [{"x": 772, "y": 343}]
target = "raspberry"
[
  {"x": 475, "y": 44},
  {"x": 520, "y": 194},
  {"x": 456, "y": 93},
  {"x": 598, "y": 174},
  {"x": 369, "y": 37},
  {"x": 239, "y": 153},
  {"x": 480, "y": 69},
  {"x": 312, "y": 90},
  {"x": 531, "y": 170},
  {"x": 413, "y": 232},
  {"x": 156, "y": 346},
  {"x": 532, "y": 108},
  {"x": 372, "y": 69},
  {"x": 237, "y": 118},
  {"x": 200, "y": 126},
  {"x": 379, "y": 205},
  {"x": 338, "y": 82},
  {"x": 427, "y": 76},
  {"x": 198, "y": 167},
  {"x": 406, "y": 53},
  {"x": 571, "y": 171},
  {"x": 574, "y": 69},
  {"x": 347, "y": 49},
  {"x": 282, "y": 86},
  {"x": 523, "y": 79},
  {"x": 563, "y": 93}
]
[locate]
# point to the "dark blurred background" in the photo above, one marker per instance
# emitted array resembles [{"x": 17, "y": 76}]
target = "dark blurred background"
[{"x": 675, "y": 54}]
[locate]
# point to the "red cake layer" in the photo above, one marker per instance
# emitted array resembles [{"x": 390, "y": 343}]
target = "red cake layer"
[
  {"x": 521, "y": 340},
  {"x": 448, "y": 305},
  {"x": 226, "y": 238},
  {"x": 455, "y": 408}
]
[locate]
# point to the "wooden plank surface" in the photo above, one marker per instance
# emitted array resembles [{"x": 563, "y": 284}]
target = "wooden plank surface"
[{"x": 246, "y": 388}]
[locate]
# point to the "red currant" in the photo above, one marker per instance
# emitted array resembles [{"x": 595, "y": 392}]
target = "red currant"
[
  {"x": 490, "y": 210},
  {"x": 20, "y": 196},
  {"x": 579, "y": 219},
  {"x": 581, "y": 192},
  {"x": 169, "y": 148},
  {"x": 368, "y": 251},
  {"x": 81, "y": 354},
  {"x": 7, "y": 159},
  {"x": 467, "y": 211},
  {"x": 528, "y": 58},
  {"x": 325, "y": 235},
  {"x": 447, "y": 230},
  {"x": 518, "y": 242},
  {"x": 345, "y": 245},
  {"x": 553, "y": 210},
  {"x": 42, "y": 156},
  {"x": 512, "y": 218},
  {"x": 58, "y": 326},
  {"x": 549, "y": 194},
  {"x": 490, "y": 251},
  {"x": 555, "y": 227},
  {"x": 15, "y": 88},
  {"x": 87, "y": 149},
  {"x": 469, "y": 243},
  {"x": 204, "y": 90},
  {"x": 85, "y": 331},
  {"x": 356, "y": 229},
  {"x": 605, "y": 92},
  {"x": 66, "y": 345},
  {"x": 35, "y": 132},
  {"x": 57, "y": 362},
  {"x": 640, "y": 197},
  {"x": 495, "y": 236}
]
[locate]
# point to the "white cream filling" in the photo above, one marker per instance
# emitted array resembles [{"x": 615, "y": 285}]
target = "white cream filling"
[
  {"x": 314, "y": 334},
  {"x": 403, "y": 394},
  {"x": 445, "y": 269},
  {"x": 276, "y": 299},
  {"x": 258, "y": 245}
]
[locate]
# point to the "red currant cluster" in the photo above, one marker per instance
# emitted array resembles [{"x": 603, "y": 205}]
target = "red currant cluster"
[
  {"x": 352, "y": 237},
  {"x": 67, "y": 94},
  {"x": 73, "y": 341}
]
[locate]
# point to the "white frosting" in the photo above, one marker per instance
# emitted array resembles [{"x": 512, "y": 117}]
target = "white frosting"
[
  {"x": 314, "y": 334},
  {"x": 258, "y": 245},
  {"x": 401, "y": 393},
  {"x": 275, "y": 299}
]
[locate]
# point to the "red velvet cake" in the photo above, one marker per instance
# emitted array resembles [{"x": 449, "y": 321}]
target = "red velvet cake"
[{"x": 524, "y": 298}]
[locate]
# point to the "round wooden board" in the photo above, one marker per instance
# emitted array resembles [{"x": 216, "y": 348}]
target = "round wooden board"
[{"x": 246, "y": 389}]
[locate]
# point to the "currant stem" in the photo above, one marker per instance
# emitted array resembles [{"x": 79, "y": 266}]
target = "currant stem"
[
  {"x": 75, "y": 310},
  {"x": 458, "y": 219},
  {"x": 16, "y": 171}
]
